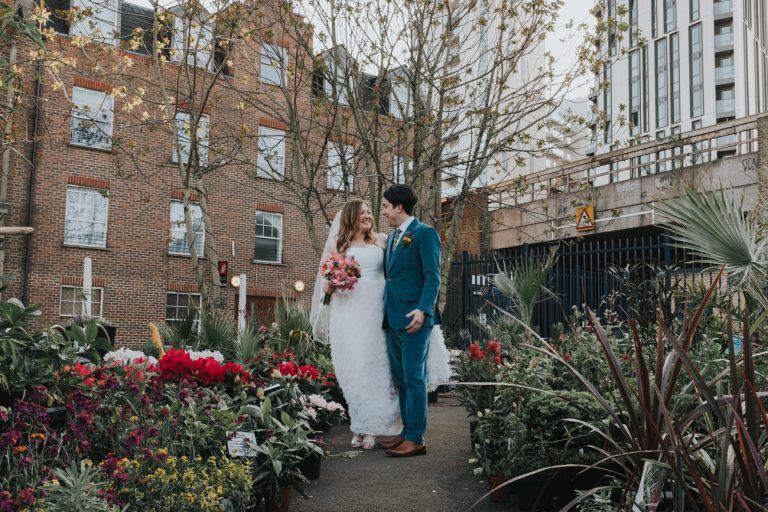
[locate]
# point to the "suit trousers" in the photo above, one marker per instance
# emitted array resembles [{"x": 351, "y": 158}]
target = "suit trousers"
[{"x": 408, "y": 361}]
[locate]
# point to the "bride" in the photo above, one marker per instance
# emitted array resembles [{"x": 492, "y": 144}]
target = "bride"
[{"x": 352, "y": 323}]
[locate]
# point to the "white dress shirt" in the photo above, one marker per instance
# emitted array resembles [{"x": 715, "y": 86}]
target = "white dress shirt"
[{"x": 402, "y": 229}]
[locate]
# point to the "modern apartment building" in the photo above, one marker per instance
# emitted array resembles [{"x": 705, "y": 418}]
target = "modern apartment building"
[{"x": 685, "y": 65}]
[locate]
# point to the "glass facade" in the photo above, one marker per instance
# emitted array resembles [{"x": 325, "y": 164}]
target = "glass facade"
[
  {"x": 697, "y": 72},
  {"x": 674, "y": 74},
  {"x": 662, "y": 96}
]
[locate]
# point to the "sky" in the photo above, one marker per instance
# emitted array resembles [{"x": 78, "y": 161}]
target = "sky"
[{"x": 564, "y": 49}]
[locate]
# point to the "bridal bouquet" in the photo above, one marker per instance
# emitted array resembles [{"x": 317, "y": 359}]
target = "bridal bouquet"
[{"x": 342, "y": 272}]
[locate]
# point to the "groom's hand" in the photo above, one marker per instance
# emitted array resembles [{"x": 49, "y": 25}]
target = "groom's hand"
[{"x": 417, "y": 320}]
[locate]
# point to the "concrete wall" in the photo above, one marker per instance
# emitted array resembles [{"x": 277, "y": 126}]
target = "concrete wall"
[{"x": 623, "y": 205}]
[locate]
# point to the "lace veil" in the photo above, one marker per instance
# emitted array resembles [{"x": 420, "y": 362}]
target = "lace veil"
[{"x": 319, "y": 313}]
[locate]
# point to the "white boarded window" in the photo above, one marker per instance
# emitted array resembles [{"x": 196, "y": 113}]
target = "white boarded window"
[
  {"x": 92, "y": 115},
  {"x": 269, "y": 237},
  {"x": 103, "y": 23},
  {"x": 274, "y": 62},
  {"x": 193, "y": 43},
  {"x": 86, "y": 217},
  {"x": 335, "y": 179},
  {"x": 73, "y": 297},
  {"x": 179, "y": 243},
  {"x": 271, "y": 162},
  {"x": 184, "y": 133}
]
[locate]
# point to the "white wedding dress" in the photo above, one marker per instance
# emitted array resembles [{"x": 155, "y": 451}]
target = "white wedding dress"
[{"x": 359, "y": 349}]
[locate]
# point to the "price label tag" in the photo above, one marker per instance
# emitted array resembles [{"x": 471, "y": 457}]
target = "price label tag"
[{"x": 241, "y": 444}]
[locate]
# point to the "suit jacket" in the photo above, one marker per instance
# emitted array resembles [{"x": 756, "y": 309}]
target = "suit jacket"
[{"x": 413, "y": 276}]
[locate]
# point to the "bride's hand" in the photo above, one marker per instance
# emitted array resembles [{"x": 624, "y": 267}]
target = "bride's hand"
[{"x": 327, "y": 287}]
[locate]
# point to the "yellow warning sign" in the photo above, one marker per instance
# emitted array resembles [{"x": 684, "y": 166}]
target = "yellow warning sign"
[{"x": 585, "y": 218}]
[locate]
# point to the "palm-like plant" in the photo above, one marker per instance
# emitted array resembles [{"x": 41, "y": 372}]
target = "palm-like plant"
[
  {"x": 525, "y": 284},
  {"x": 714, "y": 227}
]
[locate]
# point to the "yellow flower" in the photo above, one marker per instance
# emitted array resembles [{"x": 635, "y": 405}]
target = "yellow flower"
[
  {"x": 133, "y": 419},
  {"x": 88, "y": 462}
]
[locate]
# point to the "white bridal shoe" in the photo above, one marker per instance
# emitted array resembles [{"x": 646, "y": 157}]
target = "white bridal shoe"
[{"x": 357, "y": 441}]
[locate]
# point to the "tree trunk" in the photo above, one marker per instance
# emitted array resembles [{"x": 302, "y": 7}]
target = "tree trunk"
[{"x": 214, "y": 297}]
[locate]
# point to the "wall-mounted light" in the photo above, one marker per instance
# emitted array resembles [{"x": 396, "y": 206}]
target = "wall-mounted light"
[
  {"x": 235, "y": 281},
  {"x": 298, "y": 286}
]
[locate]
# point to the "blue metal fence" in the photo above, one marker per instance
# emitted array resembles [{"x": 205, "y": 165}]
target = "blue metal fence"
[{"x": 580, "y": 276}]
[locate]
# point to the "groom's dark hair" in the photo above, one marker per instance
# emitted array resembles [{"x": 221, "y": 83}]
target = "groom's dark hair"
[{"x": 403, "y": 195}]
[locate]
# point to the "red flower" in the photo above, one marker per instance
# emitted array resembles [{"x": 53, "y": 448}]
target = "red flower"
[
  {"x": 494, "y": 347},
  {"x": 567, "y": 358},
  {"x": 627, "y": 357},
  {"x": 497, "y": 359},
  {"x": 309, "y": 372},
  {"x": 288, "y": 368},
  {"x": 475, "y": 352}
]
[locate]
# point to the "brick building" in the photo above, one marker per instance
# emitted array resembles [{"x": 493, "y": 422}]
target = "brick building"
[{"x": 99, "y": 181}]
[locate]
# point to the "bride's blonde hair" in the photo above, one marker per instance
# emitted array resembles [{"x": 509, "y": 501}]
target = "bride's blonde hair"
[{"x": 348, "y": 225}]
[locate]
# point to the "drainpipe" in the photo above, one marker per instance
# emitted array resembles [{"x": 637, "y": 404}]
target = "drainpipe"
[{"x": 31, "y": 185}]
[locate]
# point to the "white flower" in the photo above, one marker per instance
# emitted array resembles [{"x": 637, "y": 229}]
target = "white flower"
[
  {"x": 309, "y": 411},
  {"x": 318, "y": 401},
  {"x": 127, "y": 356},
  {"x": 206, "y": 353},
  {"x": 335, "y": 406}
]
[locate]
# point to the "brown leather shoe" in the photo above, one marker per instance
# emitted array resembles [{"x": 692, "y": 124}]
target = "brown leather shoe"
[
  {"x": 390, "y": 444},
  {"x": 408, "y": 449}
]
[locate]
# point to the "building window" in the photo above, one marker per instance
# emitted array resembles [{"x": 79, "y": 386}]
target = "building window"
[
  {"x": 632, "y": 23},
  {"x": 726, "y": 102},
  {"x": 92, "y": 118},
  {"x": 634, "y": 92},
  {"x": 178, "y": 306},
  {"x": 102, "y": 22},
  {"x": 73, "y": 299},
  {"x": 193, "y": 43},
  {"x": 184, "y": 134},
  {"x": 274, "y": 62},
  {"x": 607, "y": 103},
  {"x": 662, "y": 106},
  {"x": 400, "y": 170},
  {"x": 674, "y": 75},
  {"x": 654, "y": 22},
  {"x": 400, "y": 101},
  {"x": 646, "y": 91},
  {"x": 697, "y": 72},
  {"x": 179, "y": 243},
  {"x": 695, "y": 14},
  {"x": 269, "y": 237},
  {"x": 670, "y": 15},
  {"x": 337, "y": 170},
  {"x": 271, "y": 162},
  {"x": 86, "y": 217}
]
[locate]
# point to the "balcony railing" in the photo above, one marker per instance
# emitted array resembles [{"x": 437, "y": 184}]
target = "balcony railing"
[
  {"x": 733, "y": 138},
  {"x": 723, "y": 7},
  {"x": 723, "y": 40},
  {"x": 724, "y": 73},
  {"x": 726, "y": 106}
]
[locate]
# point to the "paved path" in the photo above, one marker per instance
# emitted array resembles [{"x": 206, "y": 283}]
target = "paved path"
[{"x": 369, "y": 481}]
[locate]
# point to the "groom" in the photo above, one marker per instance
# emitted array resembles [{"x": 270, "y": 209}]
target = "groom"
[{"x": 412, "y": 269}]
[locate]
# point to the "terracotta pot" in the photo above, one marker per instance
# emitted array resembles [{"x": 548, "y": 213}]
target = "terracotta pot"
[
  {"x": 278, "y": 501},
  {"x": 498, "y": 494}
]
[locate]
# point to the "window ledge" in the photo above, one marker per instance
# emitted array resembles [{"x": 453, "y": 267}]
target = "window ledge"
[
  {"x": 184, "y": 255},
  {"x": 91, "y": 148},
  {"x": 94, "y": 247},
  {"x": 269, "y": 263}
]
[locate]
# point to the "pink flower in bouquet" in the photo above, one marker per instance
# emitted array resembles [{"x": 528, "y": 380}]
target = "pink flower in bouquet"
[{"x": 341, "y": 272}]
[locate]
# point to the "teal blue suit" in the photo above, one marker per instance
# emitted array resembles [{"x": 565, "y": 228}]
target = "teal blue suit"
[{"x": 413, "y": 282}]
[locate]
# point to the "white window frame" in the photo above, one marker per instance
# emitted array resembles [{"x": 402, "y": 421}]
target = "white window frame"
[
  {"x": 71, "y": 191},
  {"x": 271, "y": 159},
  {"x": 398, "y": 171},
  {"x": 95, "y": 305},
  {"x": 274, "y": 64},
  {"x": 273, "y": 216},
  {"x": 195, "y": 40},
  {"x": 96, "y": 109},
  {"x": 104, "y": 25},
  {"x": 176, "y": 307},
  {"x": 399, "y": 101},
  {"x": 181, "y": 121},
  {"x": 335, "y": 177},
  {"x": 179, "y": 229}
]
